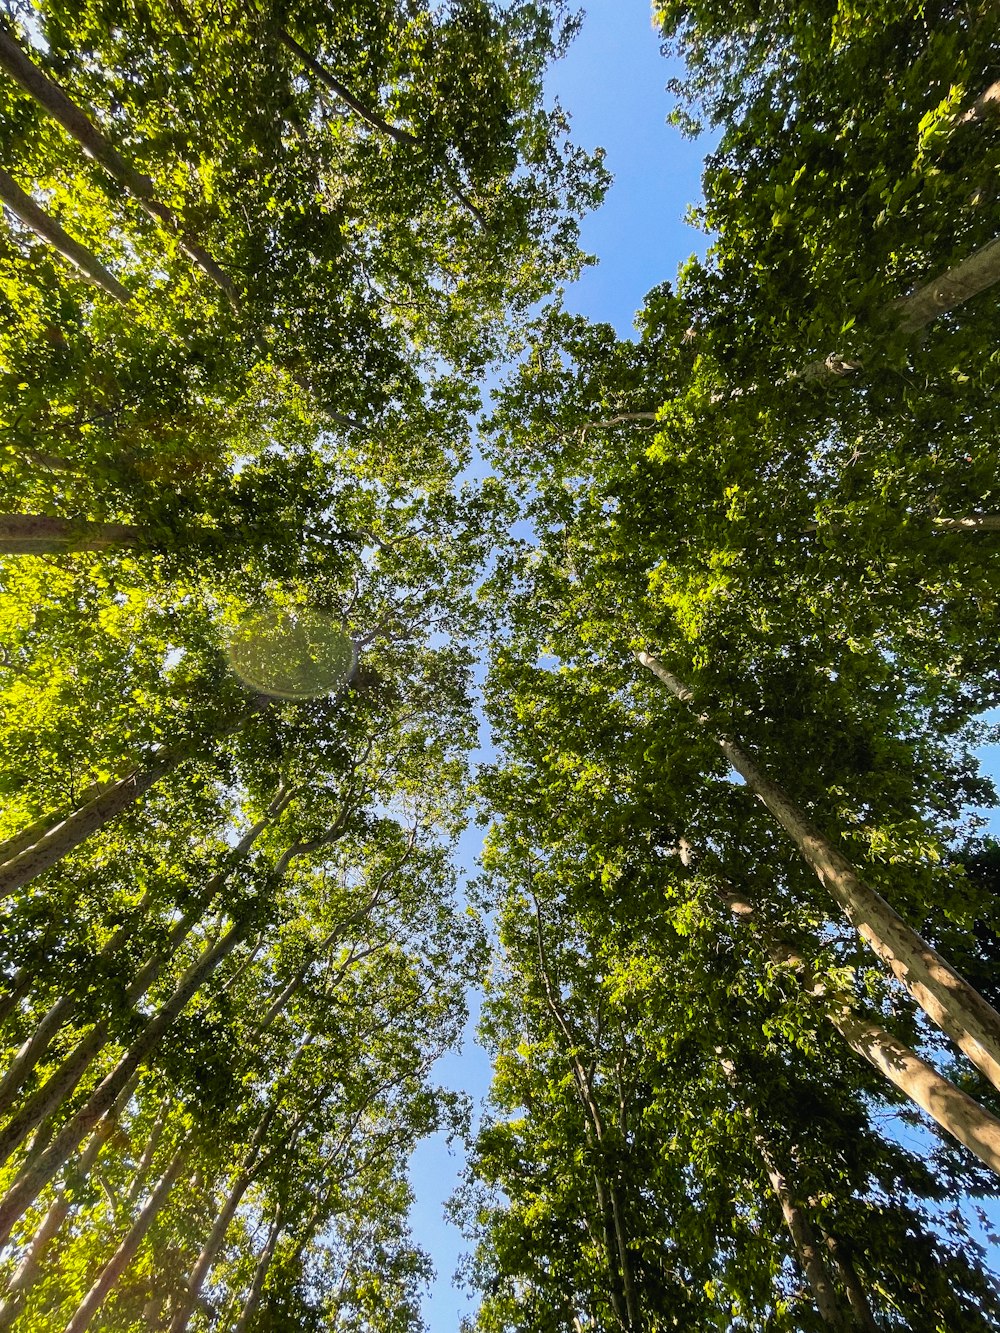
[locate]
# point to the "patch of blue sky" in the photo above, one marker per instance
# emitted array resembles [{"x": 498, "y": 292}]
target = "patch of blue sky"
[{"x": 612, "y": 84}]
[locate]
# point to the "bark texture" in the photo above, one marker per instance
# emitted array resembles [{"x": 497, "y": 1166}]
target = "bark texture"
[
  {"x": 37, "y": 220},
  {"x": 48, "y": 94},
  {"x": 41, "y": 1168},
  {"x": 947, "y": 998},
  {"x": 63, "y": 837},
  {"x": 953, "y": 1110},
  {"x": 807, "y": 1248},
  {"x": 40, "y": 534}
]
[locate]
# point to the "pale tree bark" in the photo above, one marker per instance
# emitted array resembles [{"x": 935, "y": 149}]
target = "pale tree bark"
[
  {"x": 63, "y": 833},
  {"x": 148, "y": 1153},
  {"x": 78, "y": 124},
  {"x": 234, "y": 1197},
  {"x": 970, "y": 523},
  {"x": 947, "y": 998},
  {"x": 15, "y": 989},
  {"x": 856, "y": 1294},
  {"x": 362, "y": 913},
  {"x": 807, "y": 1249},
  {"x": 952, "y": 288},
  {"x": 31, "y": 1267},
  {"x": 370, "y": 116},
  {"x": 260, "y": 1273},
  {"x": 624, "y": 1302},
  {"x": 61, "y": 838},
  {"x": 953, "y": 1110},
  {"x": 972, "y": 275},
  {"x": 985, "y": 107},
  {"x": 37, "y": 220},
  {"x": 91, "y": 1304},
  {"x": 74, "y": 1065},
  {"x": 27, "y": 837},
  {"x": 367, "y": 114},
  {"x": 41, "y": 534},
  {"x": 59, "y": 1013},
  {"x": 42, "y": 1168}
]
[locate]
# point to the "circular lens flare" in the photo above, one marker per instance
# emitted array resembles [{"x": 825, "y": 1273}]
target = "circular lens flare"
[{"x": 291, "y": 652}]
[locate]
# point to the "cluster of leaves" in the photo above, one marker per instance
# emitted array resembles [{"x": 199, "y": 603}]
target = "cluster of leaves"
[
  {"x": 789, "y": 500},
  {"x": 255, "y": 259}
]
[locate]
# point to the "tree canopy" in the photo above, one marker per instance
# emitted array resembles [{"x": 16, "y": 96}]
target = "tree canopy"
[{"x": 734, "y": 583}]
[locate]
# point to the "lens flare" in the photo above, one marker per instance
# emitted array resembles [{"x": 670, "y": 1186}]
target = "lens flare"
[{"x": 291, "y": 652}]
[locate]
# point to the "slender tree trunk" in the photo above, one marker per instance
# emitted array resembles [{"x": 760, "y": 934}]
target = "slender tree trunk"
[
  {"x": 56, "y": 1016},
  {"x": 947, "y": 998},
  {"x": 30, "y": 1268},
  {"x": 148, "y": 1153},
  {"x": 80, "y": 824},
  {"x": 40, "y": 534},
  {"x": 37, "y": 220},
  {"x": 260, "y": 1273},
  {"x": 955, "y": 1111},
  {"x": 856, "y": 1294},
  {"x": 807, "y": 1250},
  {"x": 64, "y": 834},
  {"x": 959, "y": 284},
  {"x": 27, "y": 837},
  {"x": 366, "y": 113},
  {"x": 123, "y": 1256},
  {"x": 62, "y": 1081},
  {"x": 17, "y": 987},
  {"x": 377, "y": 122},
  {"x": 615, "y": 1241},
  {"x": 75, "y": 121},
  {"x": 970, "y": 523},
  {"x": 209, "y": 1253},
  {"x": 38, "y": 1172},
  {"x": 954, "y": 287}
]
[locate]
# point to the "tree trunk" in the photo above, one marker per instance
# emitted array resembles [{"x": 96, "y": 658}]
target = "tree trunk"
[
  {"x": 985, "y": 107},
  {"x": 955, "y": 1111},
  {"x": 30, "y": 1268},
  {"x": 369, "y": 116},
  {"x": 958, "y": 285},
  {"x": 260, "y": 1274},
  {"x": 148, "y": 1153},
  {"x": 123, "y": 1256},
  {"x": 16, "y": 988},
  {"x": 61, "y": 1083},
  {"x": 74, "y": 120},
  {"x": 970, "y": 523},
  {"x": 807, "y": 1250},
  {"x": 57, "y": 1015},
  {"x": 947, "y": 998},
  {"x": 37, "y": 220},
  {"x": 63, "y": 837},
  {"x": 39, "y": 1171},
  {"x": 856, "y": 1294},
  {"x": 911, "y": 313},
  {"x": 209, "y": 1253},
  {"x": 621, "y": 1291},
  {"x": 40, "y": 534}
]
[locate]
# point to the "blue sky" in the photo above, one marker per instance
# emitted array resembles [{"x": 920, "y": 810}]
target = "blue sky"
[{"x": 612, "y": 84}]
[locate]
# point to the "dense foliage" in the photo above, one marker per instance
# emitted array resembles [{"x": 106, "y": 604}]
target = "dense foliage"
[
  {"x": 256, "y": 260},
  {"x": 764, "y": 540}
]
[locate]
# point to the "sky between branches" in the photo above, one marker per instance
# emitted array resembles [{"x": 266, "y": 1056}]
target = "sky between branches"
[{"x": 612, "y": 84}]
